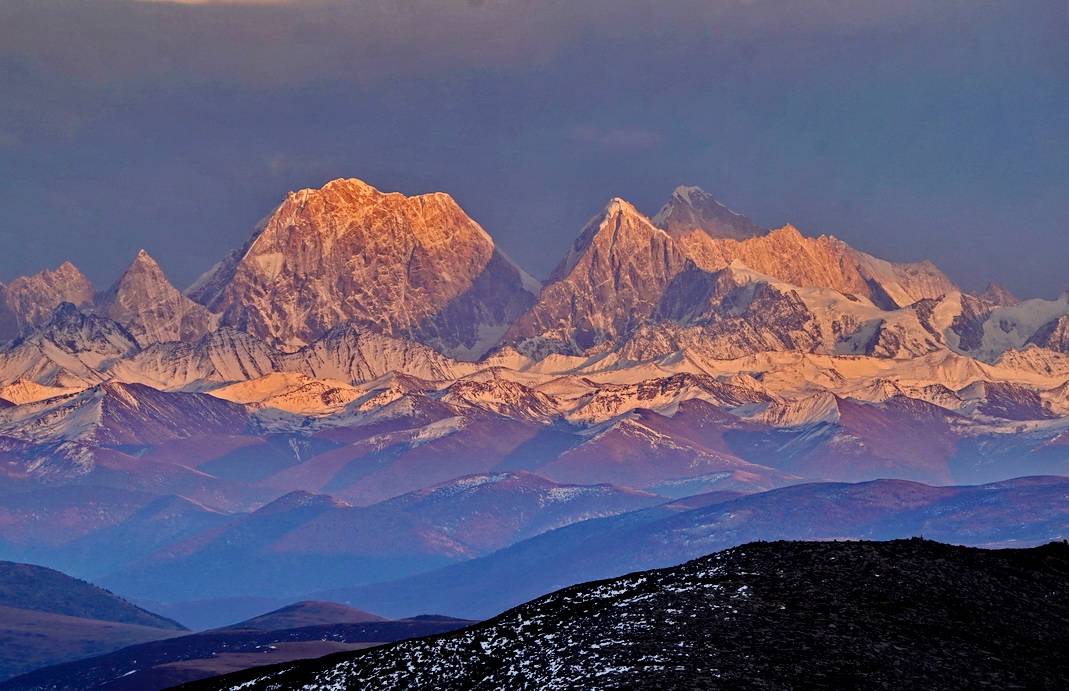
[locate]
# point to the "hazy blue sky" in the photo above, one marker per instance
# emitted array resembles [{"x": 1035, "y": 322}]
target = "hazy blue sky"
[{"x": 910, "y": 129}]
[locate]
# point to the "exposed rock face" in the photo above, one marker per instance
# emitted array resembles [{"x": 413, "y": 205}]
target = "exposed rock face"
[
  {"x": 78, "y": 332},
  {"x": 735, "y": 316},
  {"x": 736, "y": 312},
  {"x": 693, "y": 210},
  {"x": 224, "y": 355},
  {"x": 969, "y": 323},
  {"x": 502, "y": 397},
  {"x": 988, "y": 332},
  {"x": 346, "y": 354},
  {"x": 29, "y": 301},
  {"x": 71, "y": 349},
  {"x": 998, "y": 294},
  {"x": 351, "y": 355},
  {"x": 609, "y": 283},
  {"x": 714, "y": 236},
  {"x": 114, "y": 414},
  {"x": 1054, "y": 335},
  {"x": 1006, "y": 401},
  {"x": 152, "y": 309},
  {"x": 822, "y": 262},
  {"x": 417, "y": 267},
  {"x": 624, "y": 280}
]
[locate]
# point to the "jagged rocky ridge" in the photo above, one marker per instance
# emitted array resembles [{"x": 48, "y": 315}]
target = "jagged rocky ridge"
[
  {"x": 902, "y": 614},
  {"x": 434, "y": 396},
  {"x": 332, "y": 338},
  {"x": 417, "y": 267},
  {"x": 151, "y": 308}
]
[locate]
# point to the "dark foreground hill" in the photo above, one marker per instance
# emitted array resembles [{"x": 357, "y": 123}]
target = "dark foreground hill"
[
  {"x": 164, "y": 663},
  {"x": 876, "y": 615}
]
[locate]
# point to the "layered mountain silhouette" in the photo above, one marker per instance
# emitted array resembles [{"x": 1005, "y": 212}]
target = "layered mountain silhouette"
[
  {"x": 890, "y": 615},
  {"x": 363, "y": 343},
  {"x": 47, "y": 617},
  {"x": 370, "y": 399}
]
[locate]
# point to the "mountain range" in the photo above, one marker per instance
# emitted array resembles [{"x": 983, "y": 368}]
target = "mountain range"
[{"x": 370, "y": 391}]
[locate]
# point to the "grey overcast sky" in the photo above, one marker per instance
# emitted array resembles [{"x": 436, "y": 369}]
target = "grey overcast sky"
[{"x": 910, "y": 129}]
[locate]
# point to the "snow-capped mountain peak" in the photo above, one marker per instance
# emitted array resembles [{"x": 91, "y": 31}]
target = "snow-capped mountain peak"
[
  {"x": 692, "y": 209},
  {"x": 609, "y": 282},
  {"x": 152, "y": 309},
  {"x": 998, "y": 294},
  {"x": 414, "y": 266},
  {"x": 29, "y": 301}
]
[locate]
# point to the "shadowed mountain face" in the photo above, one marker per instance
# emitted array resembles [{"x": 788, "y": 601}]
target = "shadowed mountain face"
[
  {"x": 38, "y": 589},
  {"x": 903, "y": 614},
  {"x": 47, "y": 617}
]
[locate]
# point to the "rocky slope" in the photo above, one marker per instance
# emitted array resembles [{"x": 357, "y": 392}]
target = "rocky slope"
[
  {"x": 28, "y": 301},
  {"x": 622, "y": 275},
  {"x": 165, "y": 663},
  {"x": 409, "y": 266},
  {"x": 820, "y": 262},
  {"x": 334, "y": 269},
  {"x": 71, "y": 349},
  {"x": 998, "y": 294},
  {"x": 152, "y": 309},
  {"x": 610, "y": 281},
  {"x": 904, "y": 614},
  {"x": 692, "y": 209},
  {"x": 115, "y": 414},
  {"x": 44, "y": 590},
  {"x": 1054, "y": 335}
]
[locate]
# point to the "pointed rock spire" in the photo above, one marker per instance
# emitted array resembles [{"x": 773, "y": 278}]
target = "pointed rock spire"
[
  {"x": 610, "y": 281},
  {"x": 619, "y": 222},
  {"x": 152, "y": 309}
]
